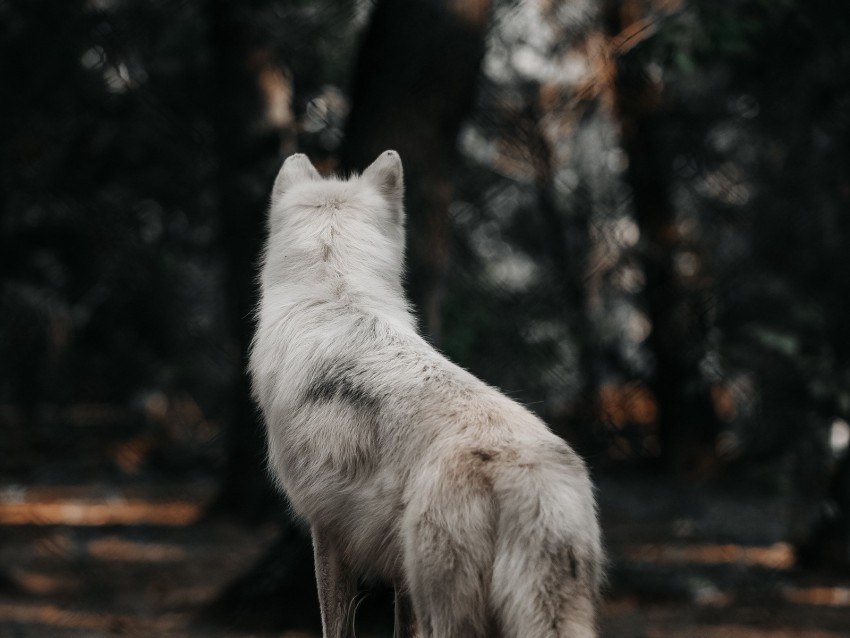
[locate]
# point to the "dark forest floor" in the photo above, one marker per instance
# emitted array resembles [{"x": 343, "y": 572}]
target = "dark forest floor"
[
  {"x": 113, "y": 555},
  {"x": 95, "y": 561}
]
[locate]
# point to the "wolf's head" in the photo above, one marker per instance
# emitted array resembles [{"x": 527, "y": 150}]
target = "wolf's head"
[{"x": 337, "y": 238}]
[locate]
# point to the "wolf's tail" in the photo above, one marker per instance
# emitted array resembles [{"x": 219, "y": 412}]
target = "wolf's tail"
[
  {"x": 505, "y": 547},
  {"x": 547, "y": 567}
]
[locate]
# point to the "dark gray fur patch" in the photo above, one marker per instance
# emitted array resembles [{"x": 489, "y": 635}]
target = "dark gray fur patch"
[
  {"x": 484, "y": 455},
  {"x": 343, "y": 380},
  {"x": 571, "y": 557},
  {"x": 339, "y": 383}
]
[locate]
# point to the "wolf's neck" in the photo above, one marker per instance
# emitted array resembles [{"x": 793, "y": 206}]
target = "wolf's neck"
[{"x": 322, "y": 296}]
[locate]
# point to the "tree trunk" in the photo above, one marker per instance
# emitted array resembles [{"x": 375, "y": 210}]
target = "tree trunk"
[
  {"x": 247, "y": 150},
  {"x": 413, "y": 85},
  {"x": 687, "y": 422},
  {"x": 567, "y": 242},
  {"x": 825, "y": 544},
  {"x": 280, "y": 589}
]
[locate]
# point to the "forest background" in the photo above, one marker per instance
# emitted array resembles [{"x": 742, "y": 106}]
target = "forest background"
[{"x": 631, "y": 215}]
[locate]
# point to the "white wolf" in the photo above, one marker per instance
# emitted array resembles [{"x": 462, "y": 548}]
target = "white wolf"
[{"x": 405, "y": 465}]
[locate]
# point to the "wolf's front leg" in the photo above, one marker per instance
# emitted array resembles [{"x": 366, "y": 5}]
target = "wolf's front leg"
[
  {"x": 405, "y": 621},
  {"x": 337, "y": 587}
]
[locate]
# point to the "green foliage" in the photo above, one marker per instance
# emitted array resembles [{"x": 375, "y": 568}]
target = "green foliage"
[{"x": 708, "y": 33}]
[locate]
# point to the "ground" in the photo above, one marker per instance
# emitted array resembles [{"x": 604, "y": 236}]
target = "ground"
[{"x": 91, "y": 560}]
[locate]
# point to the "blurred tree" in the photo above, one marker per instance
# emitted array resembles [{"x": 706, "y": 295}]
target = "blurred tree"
[
  {"x": 413, "y": 86},
  {"x": 104, "y": 171},
  {"x": 259, "y": 55},
  {"x": 793, "y": 320},
  {"x": 269, "y": 60},
  {"x": 675, "y": 303},
  {"x": 755, "y": 128},
  {"x": 249, "y": 134},
  {"x": 533, "y": 185}
]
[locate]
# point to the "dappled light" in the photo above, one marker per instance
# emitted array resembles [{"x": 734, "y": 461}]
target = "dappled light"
[
  {"x": 117, "y": 549},
  {"x": 99, "y": 505},
  {"x": 779, "y": 556},
  {"x": 51, "y": 616},
  {"x": 827, "y": 596},
  {"x": 42, "y": 584},
  {"x": 81, "y": 512}
]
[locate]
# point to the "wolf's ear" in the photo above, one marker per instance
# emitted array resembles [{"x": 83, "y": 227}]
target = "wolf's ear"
[
  {"x": 297, "y": 168},
  {"x": 386, "y": 173}
]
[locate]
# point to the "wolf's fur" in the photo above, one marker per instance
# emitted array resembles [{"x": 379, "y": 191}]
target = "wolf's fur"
[{"x": 404, "y": 464}]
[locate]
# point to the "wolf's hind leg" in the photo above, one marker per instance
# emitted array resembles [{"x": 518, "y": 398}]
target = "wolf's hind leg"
[
  {"x": 449, "y": 555},
  {"x": 337, "y": 587}
]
